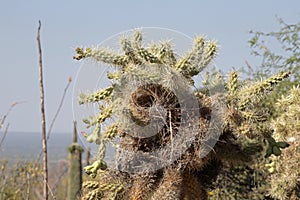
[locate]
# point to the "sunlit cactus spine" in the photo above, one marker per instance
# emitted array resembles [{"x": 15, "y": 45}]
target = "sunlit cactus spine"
[
  {"x": 170, "y": 186},
  {"x": 142, "y": 187},
  {"x": 75, "y": 168},
  {"x": 233, "y": 84},
  {"x": 285, "y": 169},
  {"x": 253, "y": 92},
  {"x": 109, "y": 187}
]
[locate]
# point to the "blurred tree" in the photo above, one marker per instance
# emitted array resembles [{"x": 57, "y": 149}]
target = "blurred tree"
[
  {"x": 75, "y": 168},
  {"x": 20, "y": 181},
  {"x": 278, "y": 50}
]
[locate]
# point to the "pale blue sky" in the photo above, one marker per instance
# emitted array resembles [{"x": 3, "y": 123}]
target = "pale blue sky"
[{"x": 68, "y": 24}]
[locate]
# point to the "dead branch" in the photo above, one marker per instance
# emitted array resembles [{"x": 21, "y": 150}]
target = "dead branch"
[
  {"x": 42, "y": 98},
  {"x": 59, "y": 108}
]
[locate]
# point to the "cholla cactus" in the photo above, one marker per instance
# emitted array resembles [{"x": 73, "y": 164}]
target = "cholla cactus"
[
  {"x": 240, "y": 139},
  {"x": 286, "y": 168}
]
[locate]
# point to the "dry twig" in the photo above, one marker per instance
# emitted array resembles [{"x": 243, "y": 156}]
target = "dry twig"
[{"x": 44, "y": 139}]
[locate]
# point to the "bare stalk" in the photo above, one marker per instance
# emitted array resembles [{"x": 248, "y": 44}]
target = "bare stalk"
[
  {"x": 2, "y": 121},
  {"x": 4, "y": 135},
  {"x": 9, "y": 110},
  {"x": 56, "y": 114},
  {"x": 42, "y": 98},
  {"x": 59, "y": 107},
  {"x": 28, "y": 186}
]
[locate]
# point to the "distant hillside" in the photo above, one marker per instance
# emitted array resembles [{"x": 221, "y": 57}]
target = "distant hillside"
[{"x": 27, "y": 146}]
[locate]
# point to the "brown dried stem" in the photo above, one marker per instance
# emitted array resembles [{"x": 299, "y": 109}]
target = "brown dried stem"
[{"x": 42, "y": 98}]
